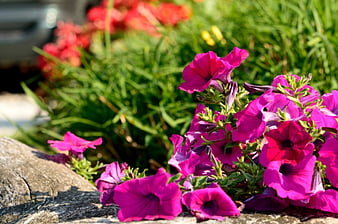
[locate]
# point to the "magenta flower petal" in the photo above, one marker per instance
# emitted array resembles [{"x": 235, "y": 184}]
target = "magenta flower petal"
[
  {"x": 201, "y": 71},
  {"x": 291, "y": 181},
  {"x": 183, "y": 159},
  {"x": 196, "y": 124},
  {"x": 207, "y": 68},
  {"x": 210, "y": 203},
  {"x": 236, "y": 57},
  {"x": 267, "y": 201},
  {"x": 330, "y": 100},
  {"x": 148, "y": 198},
  {"x": 222, "y": 148},
  {"x": 74, "y": 143},
  {"x": 313, "y": 94},
  {"x": 108, "y": 180},
  {"x": 325, "y": 200},
  {"x": 323, "y": 118},
  {"x": 289, "y": 143},
  {"x": 260, "y": 113},
  {"x": 79, "y": 144},
  {"x": 328, "y": 155}
]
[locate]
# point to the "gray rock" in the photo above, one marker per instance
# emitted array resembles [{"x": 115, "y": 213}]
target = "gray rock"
[{"x": 34, "y": 189}]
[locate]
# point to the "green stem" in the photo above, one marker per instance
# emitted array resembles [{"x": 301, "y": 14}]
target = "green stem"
[{"x": 107, "y": 32}]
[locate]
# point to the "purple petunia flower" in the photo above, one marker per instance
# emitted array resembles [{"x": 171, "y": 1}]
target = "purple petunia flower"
[
  {"x": 324, "y": 118},
  {"x": 266, "y": 201},
  {"x": 325, "y": 200},
  {"x": 311, "y": 95},
  {"x": 210, "y": 203},
  {"x": 327, "y": 117},
  {"x": 192, "y": 156},
  {"x": 74, "y": 144},
  {"x": 293, "y": 181},
  {"x": 261, "y": 113},
  {"x": 183, "y": 159},
  {"x": 328, "y": 155},
  {"x": 198, "y": 125},
  {"x": 207, "y": 68},
  {"x": 330, "y": 100},
  {"x": 148, "y": 198},
  {"x": 222, "y": 149},
  {"x": 109, "y": 179}
]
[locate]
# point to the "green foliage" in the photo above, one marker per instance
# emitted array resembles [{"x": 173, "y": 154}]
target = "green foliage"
[
  {"x": 133, "y": 173},
  {"x": 282, "y": 36},
  {"x": 85, "y": 168},
  {"x": 126, "y": 90}
]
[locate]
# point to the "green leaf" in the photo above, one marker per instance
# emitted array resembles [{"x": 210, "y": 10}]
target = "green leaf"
[
  {"x": 36, "y": 99},
  {"x": 137, "y": 123}
]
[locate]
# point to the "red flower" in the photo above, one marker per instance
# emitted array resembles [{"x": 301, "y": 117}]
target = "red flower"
[
  {"x": 171, "y": 14},
  {"x": 97, "y": 18},
  {"x": 289, "y": 143},
  {"x": 141, "y": 17}
]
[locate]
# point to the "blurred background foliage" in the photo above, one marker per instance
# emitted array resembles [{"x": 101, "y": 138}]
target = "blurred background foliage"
[{"x": 126, "y": 87}]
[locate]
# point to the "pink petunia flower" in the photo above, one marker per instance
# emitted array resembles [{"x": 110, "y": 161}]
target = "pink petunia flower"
[
  {"x": 109, "y": 179},
  {"x": 328, "y": 155},
  {"x": 198, "y": 125},
  {"x": 324, "y": 118},
  {"x": 148, "y": 198},
  {"x": 288, "y": 143},
  {"x": 74, "y": 144},
  {"x": 293, "y": 181},
  {"x": 210, "y": 203},
  {"x": 261, "y": 113},
  {"x": 311, "y": 95},
  {"x": 207, "y": 68},
  {"x": 330, "y": 100},
  {"x": 325, "y": 200},
  {"x": 222, "y": 149},
  {"x": 183, "y": 159}
]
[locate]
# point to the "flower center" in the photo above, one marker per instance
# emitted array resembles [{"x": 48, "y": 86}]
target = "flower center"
[
  {"x": 287, "y": 143},
  {"x": 210, "y": 207},
  {"x": 228, "y": 150},
  {"x": 285, "y": 169},
  {"x": 152, "y": 197}
]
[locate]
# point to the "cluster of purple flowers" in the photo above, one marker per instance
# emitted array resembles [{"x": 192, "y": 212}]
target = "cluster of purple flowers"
[{"x": 269, "y": 147}]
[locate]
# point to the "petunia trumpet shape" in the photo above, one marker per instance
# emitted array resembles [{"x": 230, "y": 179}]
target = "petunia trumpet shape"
[
  {"x": 289, "y": 143},
  {"x": 109, "y": 179},
  {"x": 74, "y": 144},
  {"x": 324, "y": 200},
  {"x": 293, "y": 181},
  {"x": 328, "y": 155},
  {"x": 207, "y": 68},
  {"x": 210, "y": 203},
  {"x": 148, "y": 198},
  {"x": 266, "y": 201},
  {"x": 261, "y": 113},
  {"x": 330, "y": 100}
]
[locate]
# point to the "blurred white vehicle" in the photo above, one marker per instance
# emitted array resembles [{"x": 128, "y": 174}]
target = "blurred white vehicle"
[{"x": 28, "y": 23}]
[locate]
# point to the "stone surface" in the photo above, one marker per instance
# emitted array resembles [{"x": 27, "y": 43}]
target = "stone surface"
[{"x": 34, "y": 189}]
